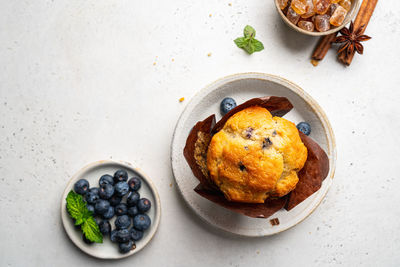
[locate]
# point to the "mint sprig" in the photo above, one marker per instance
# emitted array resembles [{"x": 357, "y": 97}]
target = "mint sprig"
[
  {"x": 77, "y": 209},
  {"x": 248, "y": 42}
]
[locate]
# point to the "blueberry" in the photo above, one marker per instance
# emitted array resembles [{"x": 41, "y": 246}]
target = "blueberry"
[
  {"x": 105, "y": 227},
  {"x": 115, "y": 200},
  {"x": 121, "y": 189},
  {"x": 91, "y": 197},
  {"x": 134, "y": 183},
  {"x": 94, "y": 190},
  {"x": 97, "y": 220},
  {"x": 120, "y": 176},
  {"x": 227, "y": 105},
  {"x": 141, "y": 222},
  {"x": 132, "y": 211},
  {"x": 87, "y": 241},
  {"x": 144, "y": 205},
  {"x": 106, "y": 191},
  {"x": 132, "y": 198},
  {"x": 81, "y": 187},
  {"x": 109, "y": 213},
  {"x": 304, "y": 127},
  {"x": 121, "y": 209},
  {"x": 113, "y": 235},
  {"x": 126, "y": 247},
  {"x": 136, "y": 235},
  {"x": 122, "y": 222},
  {"x": 90, "y": 208},
  {"x": 101, "y": 206},
  {"x": 123, "y": 236},
  {"x": 106, "y": 179}
]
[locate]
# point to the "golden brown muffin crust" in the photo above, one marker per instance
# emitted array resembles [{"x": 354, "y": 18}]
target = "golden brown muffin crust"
[{"x": 256, "y": 156}]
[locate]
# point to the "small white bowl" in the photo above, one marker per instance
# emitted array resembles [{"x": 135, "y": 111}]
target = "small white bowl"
[
  {"x": 92, "y": 173},
  {"x": 355, "y": 4}
]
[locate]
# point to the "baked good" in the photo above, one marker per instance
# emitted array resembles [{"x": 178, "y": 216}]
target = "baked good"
[
  {"x": 310, "y": 177},
  {"x": 255, "y": 156}
]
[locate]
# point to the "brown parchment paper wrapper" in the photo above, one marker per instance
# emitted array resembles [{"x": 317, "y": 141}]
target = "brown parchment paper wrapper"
[{"x": 311, "y": 175}]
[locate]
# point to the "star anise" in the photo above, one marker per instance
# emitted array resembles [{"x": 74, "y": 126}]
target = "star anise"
[{"x": 351, "y": 39}]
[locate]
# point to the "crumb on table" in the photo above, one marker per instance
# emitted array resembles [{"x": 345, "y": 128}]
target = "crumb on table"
[
  {"x": 181, "y": 99},
  {"x": 209, "y": 54}
]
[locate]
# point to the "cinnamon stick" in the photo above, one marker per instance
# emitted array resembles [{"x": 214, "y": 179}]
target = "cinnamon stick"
[
  {"x": 362, "y": 19},
  {"x": 324, "y": 44}
]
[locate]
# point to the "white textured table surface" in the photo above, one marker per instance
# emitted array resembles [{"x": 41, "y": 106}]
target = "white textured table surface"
[{"x": 87, "y": 80}]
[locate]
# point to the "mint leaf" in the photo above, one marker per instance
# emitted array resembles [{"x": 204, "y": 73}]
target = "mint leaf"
[
  {"x": 77, "y": 209},
  {"x": 249, "y": 47},
  {"x": 248, "y": 42},
  {"x": 79, "y": 221},
  {"x": 91, "y": 230},
  {"x": 258, "y": 46},
  {"x": 86, "y": 214},
  {"x": 241, "y": 42},
  {"x": 249, "y": 31},
  {"x": 75, "y": 205}
]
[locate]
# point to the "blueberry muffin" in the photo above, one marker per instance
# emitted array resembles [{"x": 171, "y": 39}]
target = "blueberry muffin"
[{"x": 255, "y": 156}]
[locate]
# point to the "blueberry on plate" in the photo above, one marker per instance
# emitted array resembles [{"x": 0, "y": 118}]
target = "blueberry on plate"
[
  {"x": 122, "y": 222},
  {"x": 113, "y": 235},
  {"x": 91, "y": 197},
  {"x": 101, "y": 206},
  {"x": 227, "y": 104},
  {"x": 97, "y": 220},
  {"x": 90, "y": 208},
  {"x": 126, "y": 247},
  {"x": 134, "y": 183},
  {"x": 115, "y": 200},
  {"x": 81, "y": 187},
  {"x": 87, "y": 241},
  {"x": 121, "y": 209},
  {"x": 133, "y": 211},
  {"x": 109, "y": 213},
  {"x": 106, "y": 179},
  {"x": 132, "y": 198},
  {"x": 144, "y": 205},
  {"x": 141, "y": 222},
  {"x": 106, "y": 191},
  {"x": 94, "y": 190},
  {"x": 136, "y": 234},
  {"x": 123, "y": 236},
  {"x": 121, "y": 189},
  {"x": 120, "y": 176},
  {"x": 304, "y": 127},
  {"x": 105, "y": 227}
]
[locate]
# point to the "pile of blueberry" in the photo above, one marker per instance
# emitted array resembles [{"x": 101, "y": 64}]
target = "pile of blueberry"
[{"x": 116, "y": 196}]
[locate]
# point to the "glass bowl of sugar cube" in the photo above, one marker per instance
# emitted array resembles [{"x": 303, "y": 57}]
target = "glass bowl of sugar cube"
[{"x": 317, "y": 17}]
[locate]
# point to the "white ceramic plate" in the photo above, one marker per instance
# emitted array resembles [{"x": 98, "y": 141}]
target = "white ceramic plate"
[
  {"x": 92, "y": 173},
  {"x": 243, "y": 87}
]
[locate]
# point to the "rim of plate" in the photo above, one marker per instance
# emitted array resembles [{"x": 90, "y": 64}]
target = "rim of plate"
[
  {"x": 290, "y": 86},
  {"x": 125, "y": 164}
]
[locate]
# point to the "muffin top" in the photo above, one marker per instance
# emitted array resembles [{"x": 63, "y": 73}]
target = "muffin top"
[{"x": 256, "y": 156}]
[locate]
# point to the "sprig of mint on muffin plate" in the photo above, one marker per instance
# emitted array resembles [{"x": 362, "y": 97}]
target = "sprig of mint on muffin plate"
[
  {"x": 77, "y": 209},
  {"x": 249, "y": 43}
]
